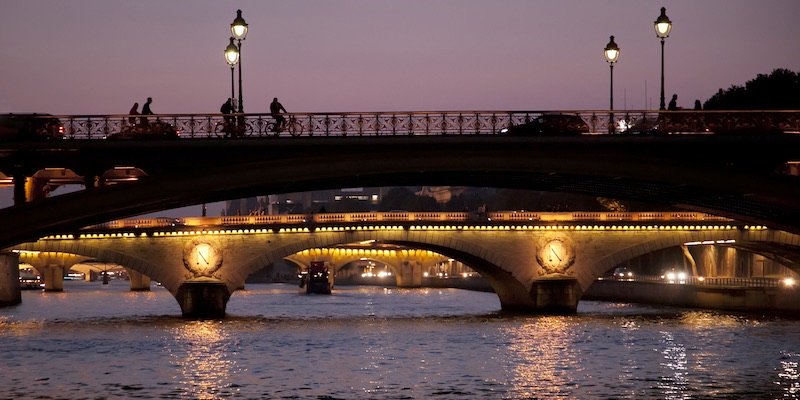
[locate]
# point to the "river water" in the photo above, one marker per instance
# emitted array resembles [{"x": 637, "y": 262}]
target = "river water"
[{"x": 103, "y": 341}]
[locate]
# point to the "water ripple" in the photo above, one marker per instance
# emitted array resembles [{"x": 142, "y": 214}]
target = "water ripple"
[{"x": 371, "y": 343}]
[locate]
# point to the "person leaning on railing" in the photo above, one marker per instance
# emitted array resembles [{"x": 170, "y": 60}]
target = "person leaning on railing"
[{"x": 134, "y": 111}]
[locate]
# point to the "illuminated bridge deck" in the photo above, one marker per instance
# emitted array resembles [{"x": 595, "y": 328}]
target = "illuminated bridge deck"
[{"x": 409, "y": 221}]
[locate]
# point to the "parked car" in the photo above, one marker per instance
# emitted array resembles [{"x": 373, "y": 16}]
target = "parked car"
[
  {"x": 30, "y": 126},
  {"x": 150, "y": 131},
  {"x": 550, "y": 124}
]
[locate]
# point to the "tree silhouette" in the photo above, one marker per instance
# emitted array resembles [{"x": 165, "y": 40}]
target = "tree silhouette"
[{"x": 779, "y": 90}]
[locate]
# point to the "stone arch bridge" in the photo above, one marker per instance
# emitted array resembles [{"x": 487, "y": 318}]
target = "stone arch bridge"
[{"x": 535, "y": 262}]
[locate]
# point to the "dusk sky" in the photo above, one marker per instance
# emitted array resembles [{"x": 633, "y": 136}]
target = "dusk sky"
[{"x": 101, "y": 56}]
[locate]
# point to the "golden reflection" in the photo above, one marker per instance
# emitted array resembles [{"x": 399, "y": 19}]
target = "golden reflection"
[
  {"x": 708, "y": 320},
  {"x": 543, "y": 357},
  {"x": 11, "y": 328},
  {"x": 204, "y": 367}
]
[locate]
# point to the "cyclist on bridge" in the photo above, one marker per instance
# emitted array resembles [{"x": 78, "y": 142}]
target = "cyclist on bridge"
[{"x": 275, "y": 109}]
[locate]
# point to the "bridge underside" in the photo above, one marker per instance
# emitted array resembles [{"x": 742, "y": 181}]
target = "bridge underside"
[{"x": 687, "y": 173}]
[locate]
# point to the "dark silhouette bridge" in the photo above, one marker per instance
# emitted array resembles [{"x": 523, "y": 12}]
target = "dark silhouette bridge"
[{"x": 733, "y": 175}]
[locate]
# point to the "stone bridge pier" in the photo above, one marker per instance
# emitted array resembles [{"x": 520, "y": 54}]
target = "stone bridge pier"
[
  {"x": 203, "y": 298},
  {"x": 10, "y": 292}
]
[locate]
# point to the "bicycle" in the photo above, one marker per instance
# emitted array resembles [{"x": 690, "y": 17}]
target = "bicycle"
[
  {"x": 290, "y": 125},
  {"x": 229, "y": 128}
]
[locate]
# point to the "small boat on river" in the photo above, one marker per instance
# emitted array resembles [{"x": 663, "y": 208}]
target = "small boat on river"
[
  {"x": 316, "y": 280},
  {"x": 30, "y": 282}
]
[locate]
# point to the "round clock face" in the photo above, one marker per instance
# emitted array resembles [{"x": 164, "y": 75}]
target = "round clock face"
[
  {"x": 555, "y": 256},
  {"x": 203, "y": 259}
]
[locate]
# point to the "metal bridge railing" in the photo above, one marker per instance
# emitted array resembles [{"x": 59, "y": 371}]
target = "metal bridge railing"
[{"x": 191, "y": 126}]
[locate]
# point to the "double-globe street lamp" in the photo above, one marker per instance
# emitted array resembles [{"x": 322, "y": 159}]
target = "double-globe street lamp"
[
  {"x": 663, "y": 26},
  {"x": 239, "y": 31}
]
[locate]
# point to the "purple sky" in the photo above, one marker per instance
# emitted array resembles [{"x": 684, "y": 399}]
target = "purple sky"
[{"x": 99, "y": 56}]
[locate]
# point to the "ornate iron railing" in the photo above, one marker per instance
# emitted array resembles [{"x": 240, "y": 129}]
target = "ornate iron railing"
[{"x": 189, "y": 126}]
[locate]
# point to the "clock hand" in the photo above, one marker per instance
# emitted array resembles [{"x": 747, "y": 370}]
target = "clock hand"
[
  {"x": 555, "y": 254},
  {"x": 200, "y": 253}
]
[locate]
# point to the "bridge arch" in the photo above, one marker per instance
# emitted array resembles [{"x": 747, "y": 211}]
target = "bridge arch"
[
  {"x": 97, "y": 250},
  {"x": 340, "y": 262}
]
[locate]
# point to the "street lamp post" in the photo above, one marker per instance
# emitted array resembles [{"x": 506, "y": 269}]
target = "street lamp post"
[
  {"x": 232, "y": 58},
  {"x": 663, "y": 26},
  {"x": 611, "y": 53},
  {"x": 239, "y": 31}
]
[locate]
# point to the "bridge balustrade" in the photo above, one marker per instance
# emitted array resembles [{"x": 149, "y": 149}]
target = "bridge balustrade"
[
  {"x": 201, "y": 126},
  {"x": 722, "y": 281},
  {"x": 519, "y": 216},
  {"x": 396, "y": 216}
]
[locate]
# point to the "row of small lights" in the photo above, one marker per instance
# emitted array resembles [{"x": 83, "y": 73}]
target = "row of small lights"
[
  {"x": 363, "y": 251},
  {"x": 710, "y": 242},
  {"x": 416, "y": 227},
  {"x": 588, "y": 227}
]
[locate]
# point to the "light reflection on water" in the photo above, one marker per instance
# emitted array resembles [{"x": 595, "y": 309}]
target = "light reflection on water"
[
  {"x": 374, "y": 343},
  {"x": 673, "y": 383},
  {"x": 789, "y": 376},
  {"x": 203, "y": 360},
  {"x": 541, "y": 360}
]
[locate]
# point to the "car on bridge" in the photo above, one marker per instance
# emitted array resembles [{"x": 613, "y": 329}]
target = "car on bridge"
[
  {"x": 550, "y": 125},
  {"x": 30, "y": 126},
  {"x": 640, "y": 126},
  {"x": 154, "y": 130}
]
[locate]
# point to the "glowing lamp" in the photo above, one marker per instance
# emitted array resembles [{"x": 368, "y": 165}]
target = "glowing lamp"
[
  {"x": 611, "y": 52},
  {"x": 232, "y": 54},
  {"x": 662, "y": 24},
  {"x": 238, "y": 26}
]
